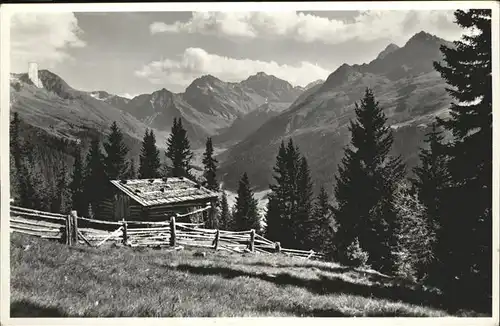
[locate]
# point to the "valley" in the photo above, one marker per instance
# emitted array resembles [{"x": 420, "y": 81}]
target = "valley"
[{"x": 248, "y": 120}]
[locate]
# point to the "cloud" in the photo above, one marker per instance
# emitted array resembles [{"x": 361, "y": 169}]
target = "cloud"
[
  {"x": 195, "y": 62},
  {"x": 301, "y": 27},
  {"x": 43, "y": 37}
]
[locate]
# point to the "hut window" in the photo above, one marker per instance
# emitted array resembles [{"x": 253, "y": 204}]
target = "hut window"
[
  {"x": 123, "y": 181},
  {"x": 137, "y": 191},
  {"x": 151, "y": 180}
]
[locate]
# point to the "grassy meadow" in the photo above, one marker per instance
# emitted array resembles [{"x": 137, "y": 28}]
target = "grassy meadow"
[{"x": 49, "y": 279}]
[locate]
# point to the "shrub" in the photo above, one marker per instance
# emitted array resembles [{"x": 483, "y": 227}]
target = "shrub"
[{"x": 356, "y": 256}]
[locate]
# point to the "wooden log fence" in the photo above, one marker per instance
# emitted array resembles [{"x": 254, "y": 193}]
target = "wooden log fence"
[{"x": 73, "y": 229}]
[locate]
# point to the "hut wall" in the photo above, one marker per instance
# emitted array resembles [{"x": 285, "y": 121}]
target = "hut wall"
[
  {"x": 164, "y": 212},
  {"x": 121, "y": 207}
]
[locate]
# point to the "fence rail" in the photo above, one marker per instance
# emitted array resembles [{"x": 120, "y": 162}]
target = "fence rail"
[{"x": 73, "y": 229}]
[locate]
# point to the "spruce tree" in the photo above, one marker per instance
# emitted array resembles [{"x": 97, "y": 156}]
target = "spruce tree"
[
  {"x": 96, "y": 181},
  {"x": 246, "y": 215},
  {"x": 15, "y": 141},
  {"x": 179, "y": 151},
  {"x": 225, "y": 220},
  {"x": 466, "y": 228},
  {"x": 76, "y": 186},
  {"x": 115, "y": 160},
  {"x": 277, "y": 197},
  {"x": 432, "y": 176},
  {"x": 303, "y": 220},
  {"x": 27, "y": 181},
  {"x": 149, "y": 161},
  {"x": 210, "y": 167},
  {"x": 15, "y": 156},
  {"x": 415, "y": 237},
  {"x": 323, "y": 224},
  {"x": 61, "y": 201},
  {"x": 131, "y": 172},
  {"x": 365, "y": 185},
  {"x": 283, "y": 205}
]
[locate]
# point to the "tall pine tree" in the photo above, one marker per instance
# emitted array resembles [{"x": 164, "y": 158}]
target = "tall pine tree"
[
  {"x": 277, "y": 197},
  {"x": 466, "y": 228},
  {"x": 179, "y": 151},
  {"x": 415, "y": 237},
  {"x": 225, "y": 218},
  {"x": 149, "y": 161},
  {"x": 15, "y": 141},
  {"x": 131, "y": 172},
  {"x": 96, "y": 180},
  {"x": 115, "y": 160},
  {"x": 365, "y": 185},
  {"x": 323, "y": 226},
  {"x": 78, "y": 201},
  {"x": 210, "y": 167},
  {"x": 283, "y": 205},
  {"x": 246, "y": 215},
  {"x": 62, "y": 195},
  {"x": 15, "y": 157},
  {"x": 303, "y": 220},
  {"x": 432, "y": 176}
]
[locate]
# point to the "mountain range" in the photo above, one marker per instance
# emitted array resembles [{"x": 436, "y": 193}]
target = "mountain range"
[{"x": 250, "y": 118}]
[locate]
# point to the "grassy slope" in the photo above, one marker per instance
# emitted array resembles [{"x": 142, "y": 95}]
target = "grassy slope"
[{"x": 51, "y": 279}]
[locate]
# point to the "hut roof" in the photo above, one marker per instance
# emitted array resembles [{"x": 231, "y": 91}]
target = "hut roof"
[{"x": 151, "y": 192}]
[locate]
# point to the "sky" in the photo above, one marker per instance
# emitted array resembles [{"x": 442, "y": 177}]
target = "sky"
[{"x": 131, "y": 53}]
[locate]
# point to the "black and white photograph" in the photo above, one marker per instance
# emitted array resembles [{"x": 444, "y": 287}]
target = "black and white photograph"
[{"x": 262, "y": 160}]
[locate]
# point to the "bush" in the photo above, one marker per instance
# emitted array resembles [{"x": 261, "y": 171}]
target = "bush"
[{"x": 356, "y": 256}]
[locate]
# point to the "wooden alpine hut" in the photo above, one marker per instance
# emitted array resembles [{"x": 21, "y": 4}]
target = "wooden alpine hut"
[{"x": 158, "y": 199}]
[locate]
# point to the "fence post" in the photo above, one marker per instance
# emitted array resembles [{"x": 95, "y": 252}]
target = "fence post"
[
  {"x": 216, "y": 241},
  {"x": 125, "y": 234},
  {"x": 74, "y": 215},
  {"x": 172, "y": 231},
  {"x": 67, "y": 230},
  {"x": 252, "y": 240},
  {"x": 277, "y": 247}
]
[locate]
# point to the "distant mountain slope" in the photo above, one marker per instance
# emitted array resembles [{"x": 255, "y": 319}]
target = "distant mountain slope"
[
  {"x": 404, "y": 83},
  {"x": 209, "y": 106},
  {"x": 64, "y": 112}
]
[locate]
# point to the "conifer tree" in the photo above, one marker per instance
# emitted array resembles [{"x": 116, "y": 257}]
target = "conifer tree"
[
  {"x": 76, "y": 186},
  {"x": 33, "y": 191},
  {"x": 61, "y": 200},
  {"x": 283, "y": 203},
  {"x": 149, "y": 161},
  {"x": 415, "y": 237},
  {"x": 277, "y": 197},
  {"x": 246, "y": 215},
  {"x": 225, "y": 220},
  {"x": 210, "y": 167},
  {"x": 365, "y": 185},
  {"x": 131, "y": 172},
  {"x": 303, "y": 220},
  {"x": 96, "y": 181},
  {"x": 15, "y": 156},
  {"x": 28, "y": 178},
  {"x": 323, "y": 223},
  {"x": 115, "y": 161},
  {"x": 179, "y": 151},
  {"x": 432, "y": 176},
  {"x": 15, "y": 141},
  {"x": 466, "y": 228}
]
